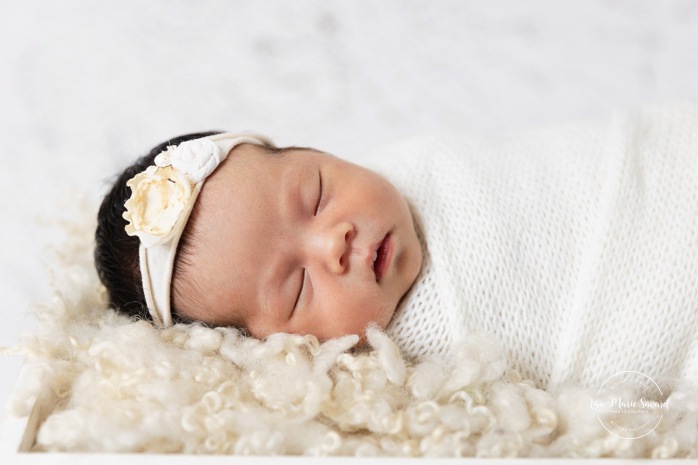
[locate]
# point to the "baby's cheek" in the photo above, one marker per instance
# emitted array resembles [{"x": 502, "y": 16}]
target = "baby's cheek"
[
  {"x": 373, "y": 308},
  {"x": 372, "y": 312},
  {"x": 347, "y": 310}
]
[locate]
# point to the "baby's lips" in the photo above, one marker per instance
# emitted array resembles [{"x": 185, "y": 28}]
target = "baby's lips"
[
  {"x": 371, "y": 258},
  {"x": 373, "y": 255},
  {"x": 383, "y": 256}
]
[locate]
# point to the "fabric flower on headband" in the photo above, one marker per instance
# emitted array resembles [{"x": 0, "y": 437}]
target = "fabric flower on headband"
[
  {"x": 196, "y": 159},
  {"x": 161, "y": 196}
]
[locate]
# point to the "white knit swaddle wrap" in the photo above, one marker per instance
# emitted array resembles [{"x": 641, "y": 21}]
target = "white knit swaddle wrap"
[{"x": 575, "y": 245}]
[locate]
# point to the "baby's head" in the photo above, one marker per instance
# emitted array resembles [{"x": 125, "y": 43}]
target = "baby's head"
[{"x": 270, "y": 240}]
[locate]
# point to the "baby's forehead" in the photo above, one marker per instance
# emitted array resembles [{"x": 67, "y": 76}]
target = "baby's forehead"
[{"x": 250, "y": 175}]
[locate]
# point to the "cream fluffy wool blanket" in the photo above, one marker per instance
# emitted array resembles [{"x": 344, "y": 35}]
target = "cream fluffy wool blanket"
[
  {"x": 112, "y": 384},
  {"x": 575, "y": 245}
]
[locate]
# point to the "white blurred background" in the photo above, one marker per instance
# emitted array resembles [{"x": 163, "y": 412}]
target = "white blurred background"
[{"x": 86, "y": 86}]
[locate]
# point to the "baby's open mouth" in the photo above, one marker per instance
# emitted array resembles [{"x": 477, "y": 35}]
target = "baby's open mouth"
[{"x": 380, "y": 264}]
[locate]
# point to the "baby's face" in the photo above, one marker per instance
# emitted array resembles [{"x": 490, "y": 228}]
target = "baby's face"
[{"x": 301, "y": 242}]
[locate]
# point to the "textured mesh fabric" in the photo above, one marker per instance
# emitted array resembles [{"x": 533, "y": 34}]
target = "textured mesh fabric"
[{"x": 576, "y": 245}]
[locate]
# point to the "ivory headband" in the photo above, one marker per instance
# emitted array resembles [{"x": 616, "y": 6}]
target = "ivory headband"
[{"x": 162, "y": 198}]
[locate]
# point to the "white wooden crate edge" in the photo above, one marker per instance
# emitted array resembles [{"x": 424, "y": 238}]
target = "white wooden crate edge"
[{"x": 19, "y": 433}]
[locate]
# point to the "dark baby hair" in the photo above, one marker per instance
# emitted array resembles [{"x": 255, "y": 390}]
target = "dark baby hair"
[{"x": 116, "y": 253}]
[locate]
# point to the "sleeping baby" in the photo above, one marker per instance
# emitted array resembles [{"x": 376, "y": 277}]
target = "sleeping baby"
[{"x": 574, "y": 245}]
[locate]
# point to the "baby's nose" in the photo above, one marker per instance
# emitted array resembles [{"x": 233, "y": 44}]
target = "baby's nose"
[{"x": 332, "y": 246}]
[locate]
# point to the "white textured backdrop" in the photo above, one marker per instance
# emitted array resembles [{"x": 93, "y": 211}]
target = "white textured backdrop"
[{"x": 86, "y": 86}]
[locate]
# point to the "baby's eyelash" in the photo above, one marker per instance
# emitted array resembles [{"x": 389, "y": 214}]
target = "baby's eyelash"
[
  {"x": 300, "y": 292},
  {"x": 319, "y": 197}
]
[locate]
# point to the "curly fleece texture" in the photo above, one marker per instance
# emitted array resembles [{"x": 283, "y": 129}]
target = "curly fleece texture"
[{"x": 123, "y": 386}]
